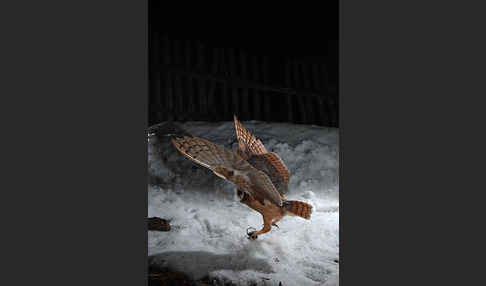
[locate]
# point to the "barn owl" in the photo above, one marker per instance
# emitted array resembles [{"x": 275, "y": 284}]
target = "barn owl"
[{"x": 261, "y": 177}]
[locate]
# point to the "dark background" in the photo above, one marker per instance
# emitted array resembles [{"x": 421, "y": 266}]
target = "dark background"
[{"x": 284, "y": 69}]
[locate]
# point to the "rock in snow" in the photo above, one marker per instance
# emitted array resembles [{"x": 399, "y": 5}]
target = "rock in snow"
[
  {"x": 157, "y": 223},
  {"x": 208, "y": 234}
]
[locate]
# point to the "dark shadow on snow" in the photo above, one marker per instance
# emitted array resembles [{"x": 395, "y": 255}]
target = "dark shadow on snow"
[{"x": 199, "y": 263}]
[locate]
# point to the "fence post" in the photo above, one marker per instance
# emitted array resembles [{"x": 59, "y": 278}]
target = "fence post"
[
  {"x": 178, "y": 92},
  {"x": 169, "y": 96},
  {"x": 191, "y": 98},
  {"x": 257, "y": 100},
  {"x": 203, "y": 97},
  {"x": 166, "y": 44},
  {"x": 215, "y": 113},
  {"x": 177, "y": 52},
  {"x": 244, "y": 91},
  {"x": 305, "y": 75},
  {"x": 212, "y": 110},
  {"x": 156, "y": 96},
  {"x": 323, "y": 112},
  {"x": 266, "y": 96},
  {"x": 225, "y": 96},
  {"x": 155, "y": 43},
  {"x": 316, "y": 77},
  {"x": 232, "y": 62},
  {"x": 200, "y": 57},
  {"x": 232, "y": 73},
  {"x": 187, "y": 52},
  {"x": 290, "y": 116},
  {"x": 300, "y": 100},
  {"x": 308, "y": 100}
]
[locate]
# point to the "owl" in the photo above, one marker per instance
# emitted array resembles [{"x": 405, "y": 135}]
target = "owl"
[{"x": 261, "y": 177}]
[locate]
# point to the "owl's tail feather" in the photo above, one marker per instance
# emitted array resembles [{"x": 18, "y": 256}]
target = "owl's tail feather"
[{"x": 298, "y": 208}]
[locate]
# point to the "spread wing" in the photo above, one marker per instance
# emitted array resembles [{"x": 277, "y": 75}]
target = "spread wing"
[
  {"x": 258, "y": 156},
  {"x": 248, "y": 144},
  {"x": 278, "y": 167},
  {"x": 274, "y": 167},
  {"x": 229, "y": 166},
  {"x": 212, "y": 156}
]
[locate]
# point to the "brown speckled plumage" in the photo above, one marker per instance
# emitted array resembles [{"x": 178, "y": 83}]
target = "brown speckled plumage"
[{"x": 261, "y": 177}]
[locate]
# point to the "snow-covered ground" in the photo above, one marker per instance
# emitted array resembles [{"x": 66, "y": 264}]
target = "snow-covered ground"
[{"x": 209, "y": 224}]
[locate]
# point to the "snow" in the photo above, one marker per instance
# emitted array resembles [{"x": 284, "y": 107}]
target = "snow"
[{"x": 209, "y": 224}]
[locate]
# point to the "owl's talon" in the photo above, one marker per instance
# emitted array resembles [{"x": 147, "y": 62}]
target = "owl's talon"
[
  {"x": 252, "y": 235},
  {"x": 248, "y": 233},
  {"x": 274, "y": 224}
]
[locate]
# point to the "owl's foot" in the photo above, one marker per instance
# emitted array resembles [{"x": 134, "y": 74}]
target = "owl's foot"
[
  {"x": 252, "y": 234},
  {"x": 274, "y": 224}
]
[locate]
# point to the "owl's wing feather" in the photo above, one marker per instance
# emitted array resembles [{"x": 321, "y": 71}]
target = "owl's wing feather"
[
  {"x": 262, "y": 184},
  {"x": 228, "y": 165},
  {"x": 209, "y": 155},
  {"x": 279, "y": 169},
  {"x": 246, "y": 141}
]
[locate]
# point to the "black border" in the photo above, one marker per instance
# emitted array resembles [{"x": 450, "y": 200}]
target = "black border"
[
  {"x": 411, "y": 93},
  {"x": 76, "y": 158}
]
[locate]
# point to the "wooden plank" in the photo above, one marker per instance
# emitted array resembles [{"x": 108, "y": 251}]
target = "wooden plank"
[
  {"x": 324, "y": 115},
  {"x": 238, "y": 82},
  {"x": 308, "y": 101},
  {"x": 176, "y": 44},
  {"x": 288, "y": 72},
  {"x": 179, "y": 98},
  {"x": 225, "y": 99},
  {"x": 201, "y": 61},
  {"x": 213, "y": 85},
  {"x": 310, "y": 104},
  {"x": 243, "y": 64},
  {"x": 223, "y": 61},
  {"x": 300, "y": 101},
  {"x": 334, "y": 105},
  {"x": 215, "y": 62},
  {"x": 156, "y": 96},
  {"x": 257, "y": 100},
  {"x": 166, "y": 50},
  {"x": 235, "y": 101},
  {"x": 235, "y": 108},
  {"x": 311, "y": 101},
  {"x": 245, "y": 98},
  {"x": 316, "y": 77},
  {"x": 203, "y": 96},
  {"x": 255, "y": 69},
  {"x": 189, "y": 94},
  {"x": 232, "y": 62},
  {"x": 187, "y": 54},
  {"x": 211, "y": 90},
  {"x": 169, "y": 96},
  {"x": 305, "y": 71},
  {"x": 156, "y": 49},
  {"x": 267, "y": 104},
  {"x": 245, "y": 110},
  {"x": 296, "y": 75},
  {"x": 290, "y": 115}
]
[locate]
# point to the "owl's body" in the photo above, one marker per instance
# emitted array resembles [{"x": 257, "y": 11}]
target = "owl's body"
[
  {"x": 261, "y": 177},
  {"x": 263, "y": 163}
]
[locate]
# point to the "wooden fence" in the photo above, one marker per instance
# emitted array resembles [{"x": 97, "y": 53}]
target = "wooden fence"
[{"x": 190, "y": 81}]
